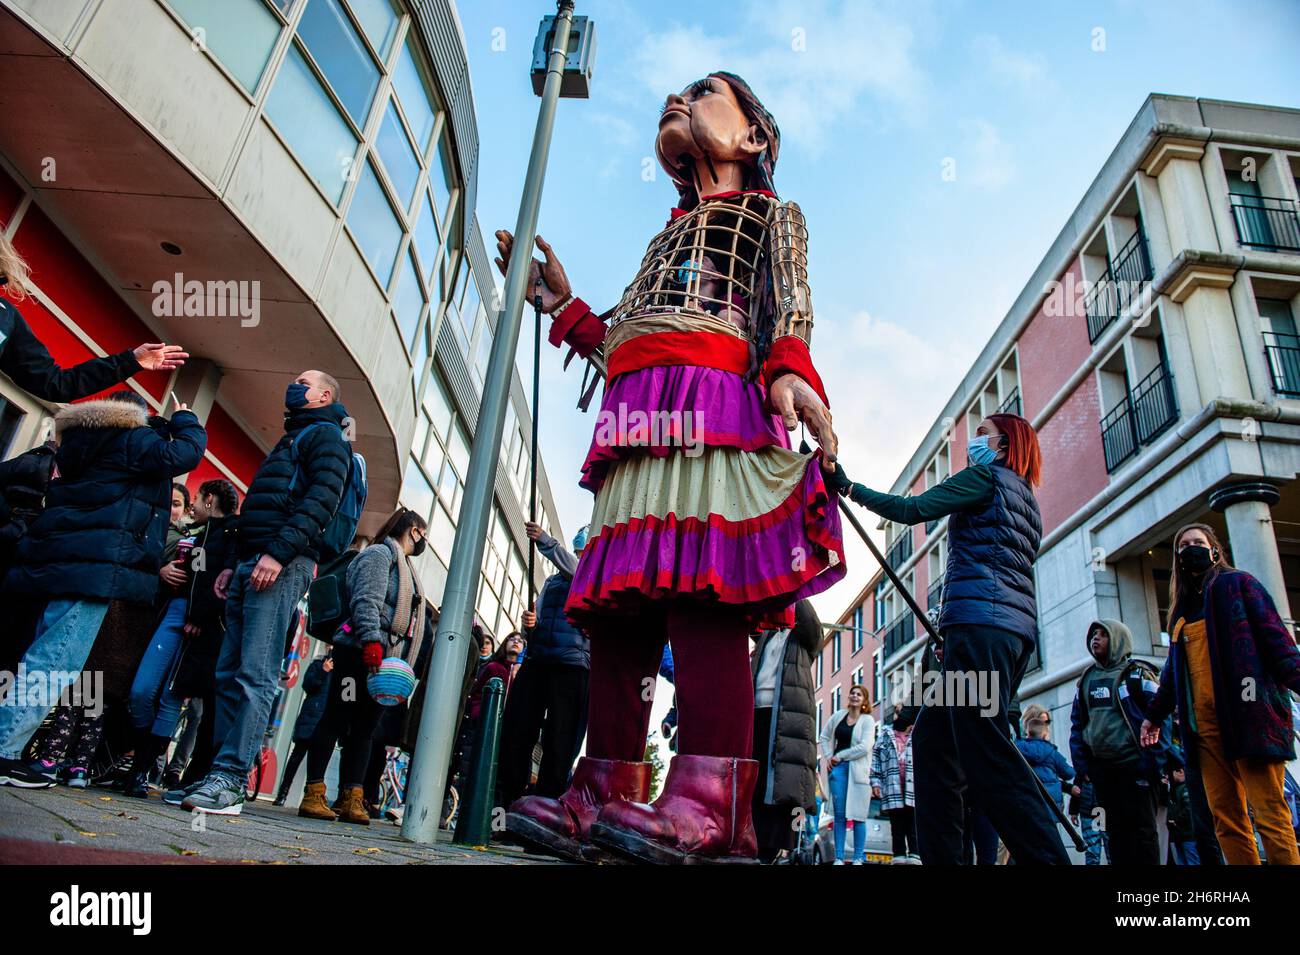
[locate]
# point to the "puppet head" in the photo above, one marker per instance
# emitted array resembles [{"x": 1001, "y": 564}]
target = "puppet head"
[{"x": 716, "y": 120}]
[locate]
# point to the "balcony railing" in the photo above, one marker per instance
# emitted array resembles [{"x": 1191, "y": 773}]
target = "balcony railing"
[
  {"x": 900, "y": 550},
  {"x": 934, "y": 596},
  {"x": 899, "y": 633},
  {"x": 931, "y": 525},
  {"x": 1012, "y": 404},
  {"x": 1122, "y": 281},
  {"x": 1266, "y": 222},
  {"x": 1142, "y": 416},
  {"x": 1283, "y": 353}
]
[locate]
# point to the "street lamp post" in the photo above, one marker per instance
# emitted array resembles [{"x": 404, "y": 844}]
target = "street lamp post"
[{"x": 446, "y": 671}]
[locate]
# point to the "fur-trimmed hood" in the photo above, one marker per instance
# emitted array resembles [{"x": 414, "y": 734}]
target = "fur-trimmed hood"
[
  {"x": 100, "y": 414},
  {"x": 86, "y": 430}
]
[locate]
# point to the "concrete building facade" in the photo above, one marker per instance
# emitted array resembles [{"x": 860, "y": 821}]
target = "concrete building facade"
[{"x": 1155, "y": 350}]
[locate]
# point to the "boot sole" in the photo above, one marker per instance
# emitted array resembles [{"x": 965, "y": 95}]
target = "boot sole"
[
  {"x": 638, "y": 848},
  {"x": 25, "y": 783},
  {"x": 537, "y": 836}
]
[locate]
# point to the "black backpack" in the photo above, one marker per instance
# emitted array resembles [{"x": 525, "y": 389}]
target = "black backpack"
[{"x": 328, "y": 603}]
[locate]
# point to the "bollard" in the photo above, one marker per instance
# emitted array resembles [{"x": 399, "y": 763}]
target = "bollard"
[{"x": 474, "y": 823}]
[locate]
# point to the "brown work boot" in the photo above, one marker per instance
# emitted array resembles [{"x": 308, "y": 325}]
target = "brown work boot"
[
  {"x": 314, "y": 805},
  {"x": 353, "y": 808}
]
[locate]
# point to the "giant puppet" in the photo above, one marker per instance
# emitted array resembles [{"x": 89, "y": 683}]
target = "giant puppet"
[{"x": 707, "y": 526}]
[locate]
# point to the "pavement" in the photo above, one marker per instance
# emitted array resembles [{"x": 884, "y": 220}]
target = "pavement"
[{"x": 60, "y": 826}]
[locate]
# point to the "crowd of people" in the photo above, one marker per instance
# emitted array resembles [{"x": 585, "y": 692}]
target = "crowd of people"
[{"x": 159, "y": 619}]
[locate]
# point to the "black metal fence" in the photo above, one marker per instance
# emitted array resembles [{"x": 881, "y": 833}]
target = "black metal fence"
[
  {"x": 1283, "y": 353},
  {"x": 1120, "y": 284},
  {"x": 1266, "y": 222},
  {"x": 1139, "y": 418},
  {"x": 1012, "y": 403},
  {"x": 900, "y": 550},
  {"x": 934, "y": 596},
  {"x": 899, "y": 633}
]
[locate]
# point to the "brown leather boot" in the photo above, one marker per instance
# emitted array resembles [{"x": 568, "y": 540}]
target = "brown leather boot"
[
  {"x": 314, "y": 804},
  {"x": 354, "y": 807},
  {"x": 702, "y": 816},
  {"x": 559, "y": 826}
]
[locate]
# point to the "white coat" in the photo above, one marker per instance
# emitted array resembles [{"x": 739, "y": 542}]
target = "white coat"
[{"x": 858, "y": 756}]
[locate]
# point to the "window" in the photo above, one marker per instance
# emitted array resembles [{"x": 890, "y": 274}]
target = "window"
[
  {"x": 857, "y": 676},
  {"x": 408, "y": 300},
  {"x": 482, "y": 353},
  {"x": 819, "y": 717},
  {"x": 414, "y": 97},
  {"x": 375, "y": 225},
  {"x": 821, "y": 667},
  {"x": 427, "y": 241},
  {"x": 341, "y": 55},
  {"x": 877, "y": 677},
  {"x": 835, "y": 699},
  {"x": 442, "y": 534},
  {"x": 398, "y": 157},
  {"x": 858, "y": 618},
  {"x": 438, "y": 405},
  {"x": 378, "y": 21},
  {"x": 835, "y": 652},
  {"x": 882, "y": 610},
  {"x": 441, "y": 178},
  {"x": 416, "y": 492},
  {"x": 311, "y": 124},
  {"x": 239, "y": 33}
]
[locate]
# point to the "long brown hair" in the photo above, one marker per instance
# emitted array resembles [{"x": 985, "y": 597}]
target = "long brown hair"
[{"x": 1177, "y": 588}]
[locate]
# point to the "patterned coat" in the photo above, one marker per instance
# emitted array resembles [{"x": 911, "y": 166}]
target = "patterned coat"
[
  {"x": 895, "y": 792},
  {"x": 1254, "y": 661}
]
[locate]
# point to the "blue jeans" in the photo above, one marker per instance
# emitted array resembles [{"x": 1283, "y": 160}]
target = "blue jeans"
[
  {"x": 1096, "y": 841},
  {"x": 248, "y": 667},
  {"x": 840, "y": 799},
  {"x": 1185, "y": 852},
  {"x": 64, "y": 636},
  {"x": 152, "y": 702}
]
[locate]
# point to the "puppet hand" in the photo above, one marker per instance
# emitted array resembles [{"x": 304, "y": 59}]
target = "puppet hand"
[
  {"x": 546, "y": 278},
  {"x": 795, "y": 400}
]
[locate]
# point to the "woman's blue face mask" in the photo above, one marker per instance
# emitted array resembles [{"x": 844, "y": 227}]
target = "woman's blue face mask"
[{"x": 979, "y": 452}]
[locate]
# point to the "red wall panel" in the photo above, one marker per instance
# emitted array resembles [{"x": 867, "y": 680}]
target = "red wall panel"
[
  {"x": 66, "y": 277},
  {"x": 1074, "y": 466},
  {"x": 1052, "y": 347}
]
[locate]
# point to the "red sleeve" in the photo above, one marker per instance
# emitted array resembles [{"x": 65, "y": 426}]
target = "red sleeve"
[
  {"x": 579, "y": 326},
  {"x": 789, "y": 355}
]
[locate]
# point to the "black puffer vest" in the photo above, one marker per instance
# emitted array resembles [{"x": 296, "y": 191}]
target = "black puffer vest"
[{"x": 990, "y": 577}]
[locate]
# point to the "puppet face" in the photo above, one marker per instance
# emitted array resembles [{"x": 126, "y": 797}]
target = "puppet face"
[{"x": 705, "y": 119}]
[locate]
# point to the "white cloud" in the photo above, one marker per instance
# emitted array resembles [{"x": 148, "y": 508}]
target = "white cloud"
[
  {"x": 1023, "y": 71},
  {"x": 814, "y": 64},
  {"x": 985, "y": 159}
]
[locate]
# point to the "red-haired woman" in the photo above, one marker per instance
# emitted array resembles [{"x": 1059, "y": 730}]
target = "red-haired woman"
[{"x": 989, "y": 622}]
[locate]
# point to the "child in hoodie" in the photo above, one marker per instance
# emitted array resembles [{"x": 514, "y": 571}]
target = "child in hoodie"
[{"x": 1109, "y": 707}]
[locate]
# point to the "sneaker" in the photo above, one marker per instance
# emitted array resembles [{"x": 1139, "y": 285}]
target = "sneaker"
[
  {"x": 838, "y": 862},
  {"x": 174, "y": 797},
  {"x": 113, "y": 776},
  {"x": 171, "y": 780},
  {"x": 221, "y": 795},
  {"x": 37, "y": 774},
  {"x": 137, "y": 787},
  {"x": 77, "y": 777}
]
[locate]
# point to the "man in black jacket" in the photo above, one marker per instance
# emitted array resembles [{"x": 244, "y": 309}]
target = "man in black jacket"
[
  {"x": 292, "y": 498},
  {"x": 99, "y": 539}
]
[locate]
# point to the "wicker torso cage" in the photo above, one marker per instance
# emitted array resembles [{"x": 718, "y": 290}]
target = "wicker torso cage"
[{"x": 703, "y": 272}]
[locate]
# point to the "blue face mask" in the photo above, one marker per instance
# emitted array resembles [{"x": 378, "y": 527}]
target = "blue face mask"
[
  {"x": 295, "y": 396},
  {"x": 979, "y": 452}
]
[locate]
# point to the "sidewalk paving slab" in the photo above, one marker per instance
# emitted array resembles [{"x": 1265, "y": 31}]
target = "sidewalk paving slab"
[{"x": 98, "y": 826}]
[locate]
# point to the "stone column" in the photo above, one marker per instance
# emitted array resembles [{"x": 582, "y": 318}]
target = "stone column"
[
  {"x": 1246, "y": 507},
  {"x": 195, "y": 383}
]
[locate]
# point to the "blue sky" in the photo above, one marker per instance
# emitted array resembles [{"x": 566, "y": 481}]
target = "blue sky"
[{"x": 910, "y": 273}]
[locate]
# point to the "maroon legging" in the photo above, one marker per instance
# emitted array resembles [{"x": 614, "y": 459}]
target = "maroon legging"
[{"x": 715, "y": 691}]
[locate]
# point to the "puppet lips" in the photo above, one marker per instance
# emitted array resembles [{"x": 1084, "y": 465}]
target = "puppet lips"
[{"x": 674, "y": 111}]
